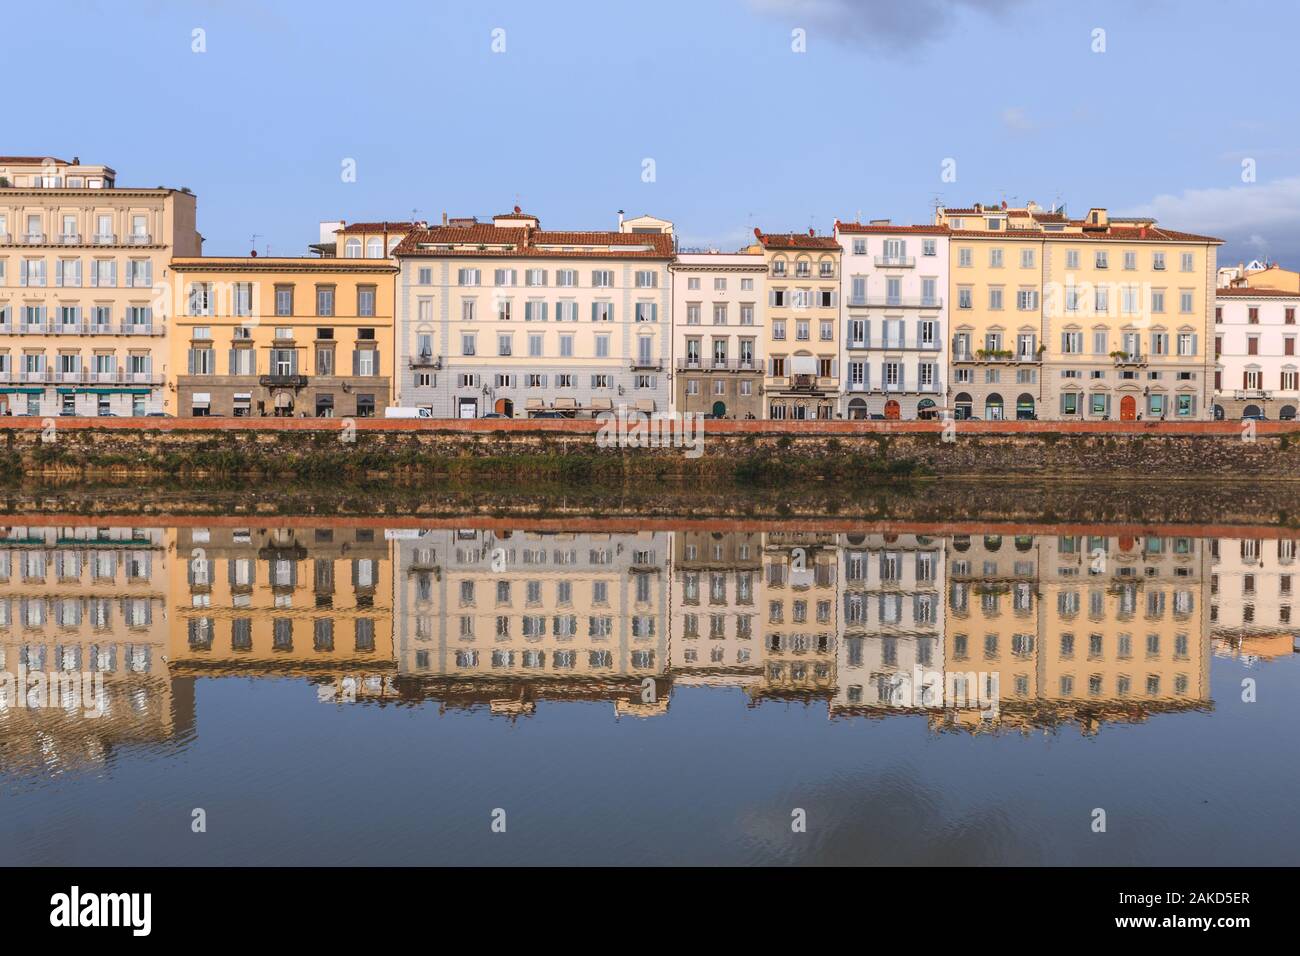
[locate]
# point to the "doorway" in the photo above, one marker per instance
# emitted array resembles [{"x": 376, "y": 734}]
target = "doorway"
[
  {"x": 891, "y": 410},
  {"x": 1128, "y": 409}
]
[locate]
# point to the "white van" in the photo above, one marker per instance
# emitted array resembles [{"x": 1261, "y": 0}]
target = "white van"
[{"x": 399, "y": 411}]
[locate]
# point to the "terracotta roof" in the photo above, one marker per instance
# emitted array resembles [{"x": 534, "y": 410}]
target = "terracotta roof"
[
  {"x": 30, "y": 160},
  {"x": 969, "y": 211},
  {"x": 1245, "y": 292},
  {"x": 856, "y": 227},
  {"x": 380, "y": 227},
  {"x": 795, "y": 240},
  {"x": 523, "y": 241},
  {"x": 315, "y": 264},
  {"x": 1112, "y": 234}
]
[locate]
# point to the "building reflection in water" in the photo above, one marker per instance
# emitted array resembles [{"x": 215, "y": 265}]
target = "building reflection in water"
[{"x": 972, "y": 632}]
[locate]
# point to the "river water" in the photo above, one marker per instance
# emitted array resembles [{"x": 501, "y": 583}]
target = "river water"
[{"x": 239, "y": 690}]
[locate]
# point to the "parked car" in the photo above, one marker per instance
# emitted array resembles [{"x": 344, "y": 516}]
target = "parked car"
[
  {"x": 493, "y": 415},
  {"x": 398, "y": 411},
  {"x": 1254, "y": 417},
  {"x": 548, "y": 413}
]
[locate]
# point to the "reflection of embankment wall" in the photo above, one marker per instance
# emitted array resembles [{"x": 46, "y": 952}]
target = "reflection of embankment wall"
[{"x": 753, "y": 452}]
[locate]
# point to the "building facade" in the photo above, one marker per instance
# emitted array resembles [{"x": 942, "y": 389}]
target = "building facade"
[
  {"x": 1096, "y": 318},
  {"x": 719, "y": 318},
  {"x": 83, "y": 280},
  {"x": 282, "y": 337},
  {"x": 1256, "y": 369},
  {"x": 893, "y": 287},
  {"x": 803, "y": 291},
  {"x": 509, "y": 319}
]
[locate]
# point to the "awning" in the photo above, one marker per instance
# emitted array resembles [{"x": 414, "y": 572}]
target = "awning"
[
  {"x": 201, "y": 399},
  {"x": 645, "y": 404},
  {"x": 243, "y": 396},
  {"x": 602, "y": 403},
  {"x": 565, "y": 403},
  {"x": 22, "y": 391},
  {"x": 533, "y": 403},
  {"x": 803, "y": 364}
]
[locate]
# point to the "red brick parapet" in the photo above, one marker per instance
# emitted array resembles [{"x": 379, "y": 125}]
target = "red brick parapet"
[{"x": 795, "y": 429}]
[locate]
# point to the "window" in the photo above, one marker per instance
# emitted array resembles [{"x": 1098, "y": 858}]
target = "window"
[
  {"x": 649, "y": 279},
  {"x": 365, "y": 300},
  {"x": 325, "y": 300},
  {"x": 469, "y": 277},
  {"x": 352, "y": 248},
  {"x": 602, "y": 278},
  {"x": 964, "y": 258}
]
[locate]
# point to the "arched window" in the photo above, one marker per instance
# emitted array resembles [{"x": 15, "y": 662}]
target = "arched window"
[
  {"x": 352, "y": 249},
  {"x": 374, "y": 248},
  {"x": 963, "y": 407},
  {"x": 993, "y": 408}
]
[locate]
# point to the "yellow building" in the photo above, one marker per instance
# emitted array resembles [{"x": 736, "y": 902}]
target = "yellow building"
[
  {"x": 802, "y": 624},
  {"x": 803, "y": 317},
  {"x": 83, "y": 273},
  {"x": 1079, "y": 319},
  {"x": 288, "y": 337}
]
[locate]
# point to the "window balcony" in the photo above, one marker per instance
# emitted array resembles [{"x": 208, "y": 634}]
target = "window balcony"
[
  {"x": 1248, "y": 394},
  {"x": 70, "y": 239},
  {"x": 1129, "y": 358},
  {"x": 105, "y": 239},
  {"x": 139, "y": 239},
  {"x": 895, "y": 262},
  {"x": 34, "y": 238},
  {"x": 425, "y": 360},
  {"x": 282, "y": 380},
  {"x": 140, "y": 328}
]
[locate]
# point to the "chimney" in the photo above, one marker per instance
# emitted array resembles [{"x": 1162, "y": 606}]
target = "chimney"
[
  {"x": 253, "y": 254},
  {"x": 444, "y": 217},
  {"x": 758, "y": 233},
  {"x": 518, "y": 210},
  {"x": 620, "y": 220},
  {"x": 812, "y": 231}
]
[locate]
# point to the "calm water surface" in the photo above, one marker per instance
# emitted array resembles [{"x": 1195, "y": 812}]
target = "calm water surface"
[{"x": 374, "y": 694}]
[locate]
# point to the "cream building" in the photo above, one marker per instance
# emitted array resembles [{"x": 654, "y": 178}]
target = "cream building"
[
  {"x": 1252, "y": 593},
  {"x": 801, "y": 629},
  {"x": 83, "y": 288},
  {"x": 803, "y": 318},
  {"x": 510, "y": 319},
  {"x": 719, "y": 322},
  {"x": 1256, "y": 371}
]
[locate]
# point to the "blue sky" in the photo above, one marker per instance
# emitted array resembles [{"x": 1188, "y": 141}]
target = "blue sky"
[{"x": 743, "y": 131}]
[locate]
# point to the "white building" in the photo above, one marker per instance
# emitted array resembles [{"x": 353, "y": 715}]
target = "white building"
[
  {"x": 894, "y": 344},
  {"x": 1256, "y": 367}
]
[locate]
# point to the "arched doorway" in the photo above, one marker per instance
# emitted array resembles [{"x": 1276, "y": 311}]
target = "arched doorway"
[
  {"x": 891, "y": 410},
  {"x": 1287, "y": 413},
  {"x": 925, "y": 409},
  {"x": 719, "y": 409},
  {"x": 1025, "y": 407},
  {"x": 1218, "y": 413},
  {"x": 993, "y": 408},
  {"x": 1128, "y": 409},
  {"x": 962, "y": 406},
  {"x": 858, "y": 409},
  {"x": 506, "y": 407},
  {"x": 1251, "y": 411}
]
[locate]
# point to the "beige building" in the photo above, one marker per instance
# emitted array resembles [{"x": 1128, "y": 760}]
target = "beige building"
[
  {"x": 717, "y": 583},
  {"x": 799, "y": 609},
  {"x": 803, "y": 318},
  {"x": 83, "y": 288},
  {"x": 506, "y": 318},
  {"x": 719, "y": 321}
]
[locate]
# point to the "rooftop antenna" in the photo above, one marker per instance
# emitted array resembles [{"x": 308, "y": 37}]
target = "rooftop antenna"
[{"x": 252, "y": 242}]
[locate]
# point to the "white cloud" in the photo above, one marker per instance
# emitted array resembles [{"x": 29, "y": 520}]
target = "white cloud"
[
  {"x": 1017, "y": 120},
  {"x": 1254, "y": 218},
  {"x": 887, "y": 25}
]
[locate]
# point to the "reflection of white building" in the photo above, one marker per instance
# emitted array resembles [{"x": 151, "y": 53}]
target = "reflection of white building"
[
  {"x": 518, "y": 605},
  {"x": 892, "y": 651},
  {"x": 1252, "y": 586}
]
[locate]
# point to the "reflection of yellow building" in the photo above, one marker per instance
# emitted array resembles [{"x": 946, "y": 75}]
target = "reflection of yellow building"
[
  {"x": 80, "y": 601},
  {"x": 1080, "y": 628},
  {"x": 314, "y": 602},
  {"x": 503, "y": 617}
]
